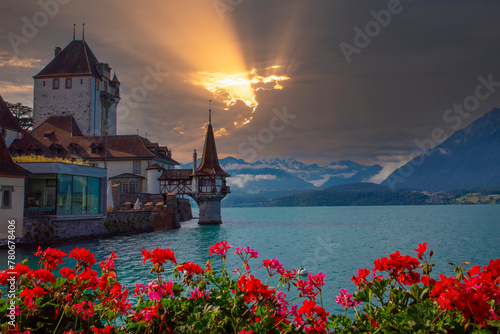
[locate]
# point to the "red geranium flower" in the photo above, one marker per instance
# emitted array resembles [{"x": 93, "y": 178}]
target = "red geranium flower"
[
  {"x": 32, "y": 294},
  {"x": 360, "y": 280},
  {"x": 190, "y": 268},
  {"x": 421, "y": 249},
  {"x": 42, "y": 274},
  {"x": 220, "y": 248},
  {"x": 50, "y": 258},
  {"x": 105, "y": 330},
  {"x": 158, "y": 256},
  {"x": 84, "y": 257},
  {"x": 17, "y": 272}
]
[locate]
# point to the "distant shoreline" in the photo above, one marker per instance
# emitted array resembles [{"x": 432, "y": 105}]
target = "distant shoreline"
[{"x": 356, "y": 195}]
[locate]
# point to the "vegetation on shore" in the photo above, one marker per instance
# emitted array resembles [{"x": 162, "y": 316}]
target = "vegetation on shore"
[{"x": 362, "y": 194}]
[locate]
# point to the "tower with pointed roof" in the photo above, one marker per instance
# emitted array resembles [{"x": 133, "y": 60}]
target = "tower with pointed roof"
[
  {"x": 209, "y": 181},
  {"x": 75, "y": 83},
  {"x": 205, "y": 184}
]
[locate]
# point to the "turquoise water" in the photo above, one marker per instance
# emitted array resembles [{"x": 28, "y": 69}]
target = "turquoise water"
[{"x": 334, "y": 240}]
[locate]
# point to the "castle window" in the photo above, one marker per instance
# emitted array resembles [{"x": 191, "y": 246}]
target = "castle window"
[
  {"x": 44, "y": 83},
  {"x": 105, "y": 86},
  {"x": 81, "y": 81},
  {"x": 97, "y": 85},
  {"x": 94, "y": 148},
  {"x": 137, "y": 167},
  {"x": 55, "y": 84},
  {"x": 68, "y": 83},
  {"x": 56, "y": 149},
  {"x": 125, "y": 187},
  {"x": 7, "y": 197},
  {"x": 132, "y": 189},
  {"x": 73, "y": 149}
]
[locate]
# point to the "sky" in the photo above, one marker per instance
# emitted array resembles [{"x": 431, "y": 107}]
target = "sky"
[{"x": 318, "y": 81}]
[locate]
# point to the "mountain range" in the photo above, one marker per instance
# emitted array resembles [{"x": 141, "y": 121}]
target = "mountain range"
[
  {"x": 255, "y": 183},
  {"x": 469, "y": 158}
]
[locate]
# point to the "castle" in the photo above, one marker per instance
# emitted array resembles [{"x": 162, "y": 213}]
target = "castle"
[{"x": 75, "y": 116}]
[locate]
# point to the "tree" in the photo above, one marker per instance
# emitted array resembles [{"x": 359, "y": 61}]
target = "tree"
[{"x": 23, "y": 114}]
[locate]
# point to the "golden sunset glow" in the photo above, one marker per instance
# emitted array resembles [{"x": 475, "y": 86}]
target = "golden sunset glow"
[
  {"x": 221, "y": 132},
  {"x": 238, "y": 87},
  {"x": 20, "y": 62}
]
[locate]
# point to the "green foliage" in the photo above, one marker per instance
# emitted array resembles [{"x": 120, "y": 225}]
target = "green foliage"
[
  {"x": 23, "y": 114},
  {"x": 399, "y": 297},
  {"x": 351, "y": 198}
]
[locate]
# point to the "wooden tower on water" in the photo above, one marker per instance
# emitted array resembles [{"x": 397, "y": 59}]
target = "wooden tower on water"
[{"x": 206, "y": 184}]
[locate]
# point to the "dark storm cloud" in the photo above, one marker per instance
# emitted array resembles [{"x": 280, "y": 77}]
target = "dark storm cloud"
[{"x": 372, "y": 109}]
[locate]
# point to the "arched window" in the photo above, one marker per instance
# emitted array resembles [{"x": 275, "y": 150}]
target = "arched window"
[
  {"x": 132, "y": 189},
  {"x": 125, "y": 187}
]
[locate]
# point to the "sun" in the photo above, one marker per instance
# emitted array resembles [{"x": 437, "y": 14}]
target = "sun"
[{"x": 238, "y": 86}]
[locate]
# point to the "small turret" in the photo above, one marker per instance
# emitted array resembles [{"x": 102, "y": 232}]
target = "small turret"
[
  {"x": 210, "y": 179},
  {"x": 116, "y": 83}
]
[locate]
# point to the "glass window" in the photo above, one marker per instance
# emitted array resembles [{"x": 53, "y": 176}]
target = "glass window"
[
  {"x": 132, "y": 187},
  {"x": 125, "y": 186},
  {"x": 97, "y": 85},
  {"x": 7, "y": 198},
  {"x": 55, "y": 84},
  {"x": 41, "y": 194},
  {"x": 64, "y": 194},
  {"x": 79, "y": 195},
  {"x": 137, "y": 167},
  {"x": 68, "y": 83},
  {"x": 94, "y": 195}
]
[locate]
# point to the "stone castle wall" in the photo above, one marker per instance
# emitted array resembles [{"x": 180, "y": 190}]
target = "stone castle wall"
[
  {"x": 50, "y": 229},
  {"x": 76, "y": 101}
]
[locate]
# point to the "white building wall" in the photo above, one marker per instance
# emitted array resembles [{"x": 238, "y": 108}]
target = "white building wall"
[
  {"x": 16, "y": 213},
  {"x": 82, "y": 101},
  {"x": 74, "y": 101},
  {"x": 152, "y": 181},
  {"x": 127, "y": 166},
  {"x": 10, "y": 136}
]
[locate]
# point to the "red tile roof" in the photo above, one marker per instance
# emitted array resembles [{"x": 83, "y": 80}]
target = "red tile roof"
[
  {"x": 7, "y": 166},
  {"x": 75, "y": 59},
  {"x": 63, "y": 131},
  {"x": 210, "y": 162},
  {"x": 155, "y": 166},
  {"x": 7, "y": 120}
]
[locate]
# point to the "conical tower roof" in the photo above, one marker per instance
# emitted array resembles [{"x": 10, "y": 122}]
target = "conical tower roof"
[{"x": 210, "y": 162}]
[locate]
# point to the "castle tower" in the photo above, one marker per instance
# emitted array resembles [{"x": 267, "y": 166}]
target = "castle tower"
[
  {"x": 76, "y": 84},
  {"x": 209, "y": 182}
]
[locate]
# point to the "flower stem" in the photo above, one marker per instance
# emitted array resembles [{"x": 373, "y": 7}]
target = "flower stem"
[{"x": 62, "y": 315}]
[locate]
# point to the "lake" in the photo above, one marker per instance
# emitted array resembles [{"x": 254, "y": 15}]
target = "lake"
[{"x": 334, "y": 240}]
